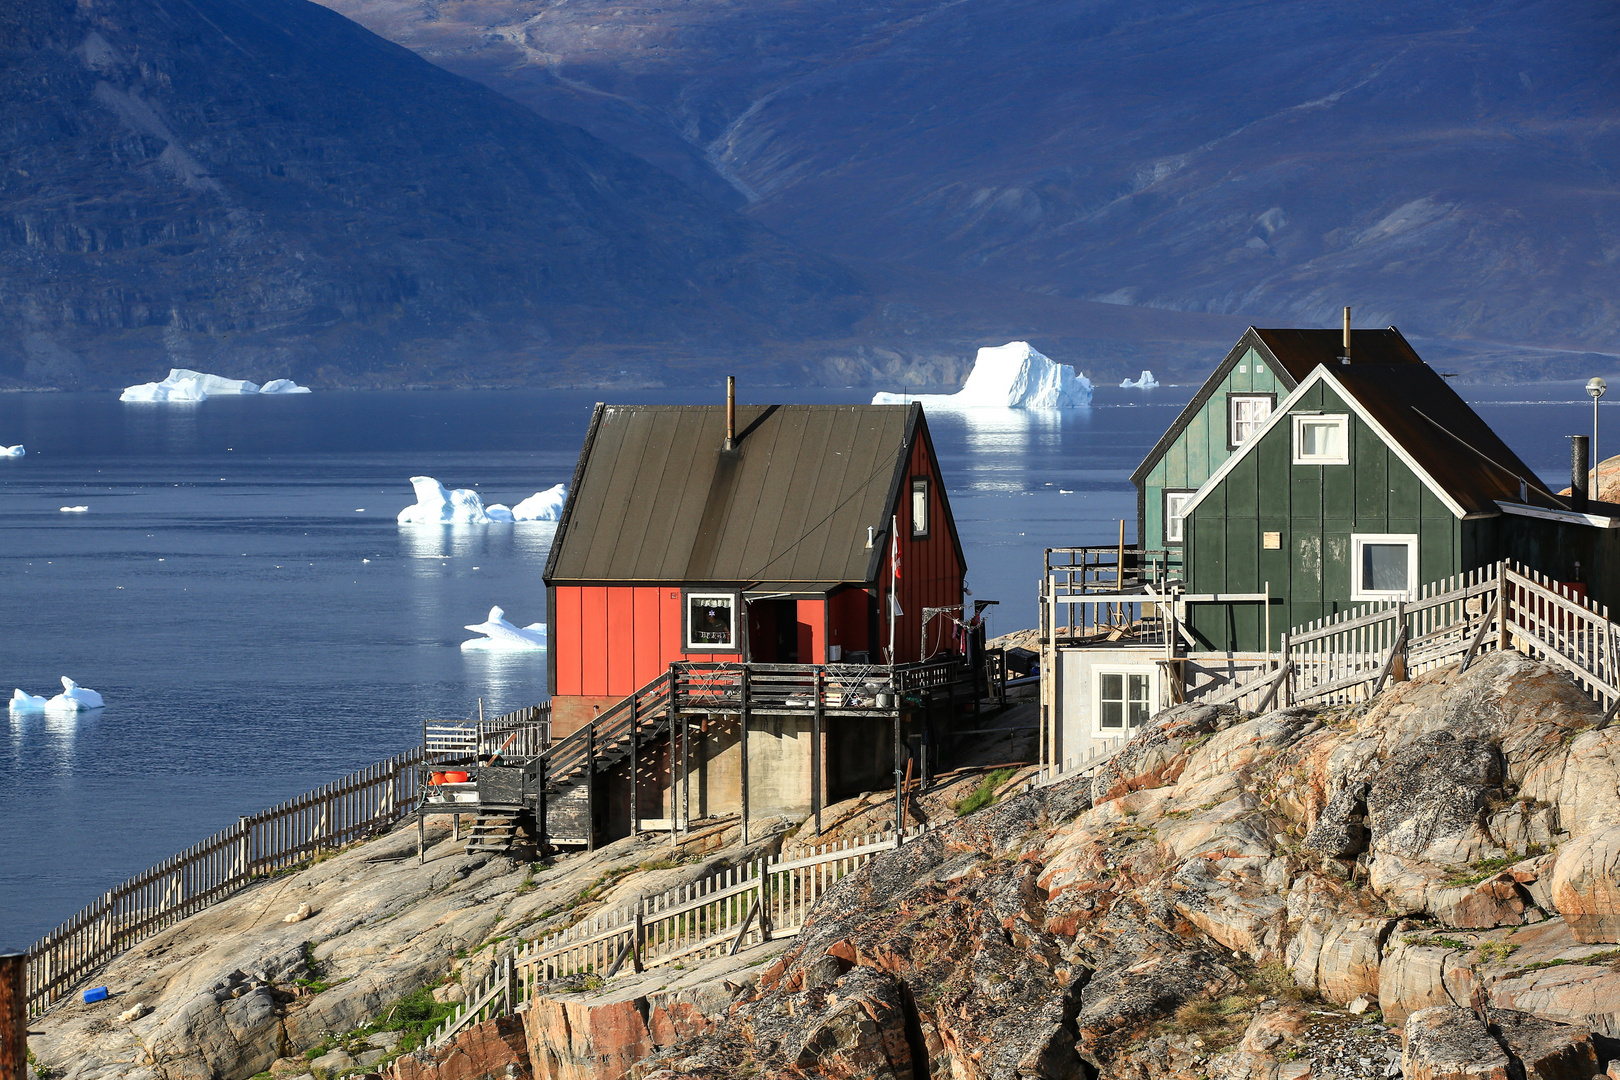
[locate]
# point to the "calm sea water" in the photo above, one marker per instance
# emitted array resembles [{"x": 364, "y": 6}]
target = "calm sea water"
[{"x": 241, "y": 595}]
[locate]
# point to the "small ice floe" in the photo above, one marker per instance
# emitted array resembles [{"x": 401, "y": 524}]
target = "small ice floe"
[
  {"x": 74, "y": 509},
  {"x": 26, "y": 703},
  {"x": 74, "y": 698},
  {"x": 185, "y": 385},
  {"x": 1010, "y": 376},
  {"x": 1145, "y": 382},
  {"x": 502, "y": 636},
  {"x": 438, "y": 505},
  {"x": 12, "y": 451}
]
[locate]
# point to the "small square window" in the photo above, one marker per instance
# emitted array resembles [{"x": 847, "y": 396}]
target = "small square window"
[
  {"x": 1245, "y": 415},
  {"x": 1383, "y": 566},
  {"x": 1322, "y": 440},
  {"x": 711, "y": 621},
  {"x": 1175, "y": 514},
  {"x": 919, "y": 507},
  {"x": 1124, "y": 699}
]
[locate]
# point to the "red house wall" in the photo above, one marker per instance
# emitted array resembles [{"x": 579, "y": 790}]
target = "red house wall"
[{"x": 930, "y": 572}]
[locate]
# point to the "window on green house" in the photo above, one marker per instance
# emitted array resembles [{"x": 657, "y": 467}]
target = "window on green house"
[
  {"x": 1245, "y": 414},
  {"x": 1384, "y": 565},
  {"x": 1175, "y": 512},
  {"x": 1322, "y": 440}
]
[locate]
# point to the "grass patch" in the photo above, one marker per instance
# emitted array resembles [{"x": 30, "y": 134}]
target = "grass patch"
[
  {"x": 1493, "y": 951},
  {"x": 1604, "y": 957},
  {"x": 985, "y": 793},
  {"x": 1484, "y": 868},
  {"x": 1440, "y": 942},
  {"x": 415, "y": 1015}
]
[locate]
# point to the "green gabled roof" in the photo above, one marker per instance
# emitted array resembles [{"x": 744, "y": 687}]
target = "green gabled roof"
[{"x": 1292, "y": 354}]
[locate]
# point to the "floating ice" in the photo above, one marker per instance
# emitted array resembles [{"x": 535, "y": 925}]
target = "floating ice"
[
  {"x": 185, "y": 385},
  {"x": 74, "y": 698},
  {"x": 12, "y": 451},
  {"x": 26, "y": 703},
  {"x": 75, "y": 509},
  {"x": 502, "y": 636},
  {"x": 437, "y": 506},
  {"x": 1146, "y": 382},
  {"x": 544, "y": 505},
  {"x": 1012, "y": 376}
]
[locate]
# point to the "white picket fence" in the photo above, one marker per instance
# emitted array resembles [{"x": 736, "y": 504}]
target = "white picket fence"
[
  {"x": 1351, "y": 656},
  {"x": 355, "y": 807},
  {"x": 734, "y": 909}
]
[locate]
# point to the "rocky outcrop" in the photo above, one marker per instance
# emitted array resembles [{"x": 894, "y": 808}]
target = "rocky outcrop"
[
  {"x": 1234, "y": 897},
  {"x": 494, "y": 1048},
  {"x": 1586, "y": 885}
]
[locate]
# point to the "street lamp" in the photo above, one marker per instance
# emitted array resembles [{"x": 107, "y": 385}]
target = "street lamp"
[{"x": 1595, "y": 387}]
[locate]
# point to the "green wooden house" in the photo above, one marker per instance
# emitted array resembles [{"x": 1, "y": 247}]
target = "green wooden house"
[
  {"x": 1262, "y": 368},
  {"x": 1366, "y": 482}
]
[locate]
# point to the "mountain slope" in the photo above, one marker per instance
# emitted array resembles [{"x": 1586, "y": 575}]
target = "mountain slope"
[
  {"x": 1446, "y": 167},
  {"x": 266, "y": 189}
]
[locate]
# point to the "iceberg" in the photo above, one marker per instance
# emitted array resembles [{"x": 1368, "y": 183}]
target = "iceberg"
[
  {"x": 185, "y": 385},
  {"x": 186, "y": 391},
  {"x": 544, "y": 505},
  {"x": 1146, "y": 382},
  {"x": 12, "y": 451},
  {"x": 75, "y": 509},
  {"x": 74, "y": 698},
  {"x": 502, "y": 636},
  {"x": 26, "y": 703},
  {"x": 1013, "y": 376},
  {"x": 437, "y": 506}
]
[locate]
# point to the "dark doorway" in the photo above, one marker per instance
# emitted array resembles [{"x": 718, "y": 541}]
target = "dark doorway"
[{"x": 773, "y": 631}]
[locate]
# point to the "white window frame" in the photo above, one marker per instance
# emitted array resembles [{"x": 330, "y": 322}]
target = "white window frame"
[
  {"x": 1339, "y": 420},
  {"x": 1147, "y": 671},
  {"x": 1358, "y": 541},
  {"x": 1186, "y": 495},
  {"x": 731, "y": 598},
  {"x": 1232, "y": 441}
]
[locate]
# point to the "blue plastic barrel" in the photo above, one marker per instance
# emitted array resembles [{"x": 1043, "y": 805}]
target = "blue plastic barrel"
[{"x": 95, "y": 993}]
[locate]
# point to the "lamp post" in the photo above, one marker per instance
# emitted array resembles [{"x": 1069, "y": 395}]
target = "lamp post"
[{"x": 1596, "y": 387}]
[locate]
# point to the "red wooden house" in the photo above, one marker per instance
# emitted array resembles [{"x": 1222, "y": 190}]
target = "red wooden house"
[{"x": 768, "y": 542}]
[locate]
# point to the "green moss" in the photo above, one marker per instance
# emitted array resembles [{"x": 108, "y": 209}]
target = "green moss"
[
  {"x": 985, "y": 793},
  {"x": 1484, "y": 868}
]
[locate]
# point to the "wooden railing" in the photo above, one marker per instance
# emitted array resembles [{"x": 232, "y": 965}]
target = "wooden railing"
[
  {"x": 353, "y": 808},
  {"x": 1351, "y": 656},
  {"x": 736, "y": 908}
]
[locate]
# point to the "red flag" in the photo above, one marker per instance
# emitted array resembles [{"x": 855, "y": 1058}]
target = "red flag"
[{"x": 894, "y": 552}]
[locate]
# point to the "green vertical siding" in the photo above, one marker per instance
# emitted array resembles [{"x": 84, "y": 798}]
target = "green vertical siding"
[
  {"x": 1200, "y": 449},
  {"x": 1316, "y": 509}
]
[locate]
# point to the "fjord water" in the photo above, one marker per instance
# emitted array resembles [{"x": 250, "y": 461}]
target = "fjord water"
[{"x": 240, "y": 593}]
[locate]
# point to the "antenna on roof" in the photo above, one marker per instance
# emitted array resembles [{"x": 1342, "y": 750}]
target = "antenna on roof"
[{"x": 1345, "y": 359}]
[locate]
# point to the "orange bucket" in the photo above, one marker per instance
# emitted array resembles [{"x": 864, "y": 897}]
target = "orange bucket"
[
  {"x": 455, "y": 778},
  {"x": 436, "y": 778}
]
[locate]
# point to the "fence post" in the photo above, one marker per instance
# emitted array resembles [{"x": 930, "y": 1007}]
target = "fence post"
[
  {"x": 242, "y": 848},
  {"x": 764, "y": 900},
  {"x": 1397, "y": 671},
  {"x": 590, "y": 787},
  {"x": 13, "y": 1016},
  {"x": 1287, "y": 691},
  {"x": 815, "y": 747},
  {"x": 635, "y": 738},
  {"x": 1504, "y": 595},
  {"x": 511, "y": 987},
  {"x": 742, "y": 733}
]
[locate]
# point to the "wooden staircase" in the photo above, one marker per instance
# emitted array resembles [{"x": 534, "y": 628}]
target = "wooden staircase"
[
  {"x": 495, "y": 832},
  {"x": 563, "y": 774}
]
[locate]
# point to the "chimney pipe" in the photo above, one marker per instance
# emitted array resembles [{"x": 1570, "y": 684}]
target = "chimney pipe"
[
  {"x": 731, "y": 412},
  {"x": 1345, "y": 359},
  {"x": 1579, "y": 489}
]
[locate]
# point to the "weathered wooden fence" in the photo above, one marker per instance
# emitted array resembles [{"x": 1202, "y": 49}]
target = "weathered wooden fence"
[
  {"x": 357, "y": 806},
  {"x": 1351, "y": 656},
  {"x": 736, "y": 908}
]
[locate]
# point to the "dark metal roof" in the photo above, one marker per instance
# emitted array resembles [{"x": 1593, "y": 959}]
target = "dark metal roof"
[
  {"x": 1446, "y": 438},
  {"x": 657, "y": 499},
  {"x": 1292, "y": 354}
]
